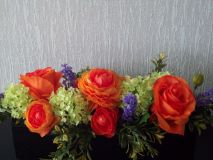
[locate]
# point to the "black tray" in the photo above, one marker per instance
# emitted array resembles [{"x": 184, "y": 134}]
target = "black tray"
[{"x": 30, "y": 146}]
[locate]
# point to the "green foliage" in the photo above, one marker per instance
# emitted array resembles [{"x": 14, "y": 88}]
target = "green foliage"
[
  {"x": 138, "y": 138},
  {"x": 16, "y": 99},
  {"x": 70, "y": 106},
  {"x": 82, "y": 71},
  {"x": 201, "y": 119},
  {"x": 159, "y": 63},
  {"x": 73, "y": 142},
  {"x": 4, "y": 116},
  {"x": 142, "y": 88}
]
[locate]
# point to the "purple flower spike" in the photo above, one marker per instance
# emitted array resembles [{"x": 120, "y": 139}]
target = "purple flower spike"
[
  {"x": 69, "y": 76},
  {"x": 205, "y": 98},
  {"x": 130, "y": 102}
]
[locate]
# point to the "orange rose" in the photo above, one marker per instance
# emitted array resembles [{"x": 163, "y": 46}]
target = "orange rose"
[
  {"x": 41, "y": 82},
  {"x": 173, "y": 103},
  {"x": 40, "y": 117},
  {"x": 104, "y": 121},
  {"x": 101, "y": 86}
]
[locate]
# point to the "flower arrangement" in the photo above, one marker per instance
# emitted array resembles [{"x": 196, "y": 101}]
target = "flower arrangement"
[{"x": 76, "y": 107}]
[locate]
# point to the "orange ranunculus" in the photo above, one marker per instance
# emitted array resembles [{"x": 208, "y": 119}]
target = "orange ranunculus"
[
  {"x": 42, "y": 82},
  {"x": 101, "y": 87},
  {"x": 173, "y": 103},
  {"x": 40, "y": 117}
]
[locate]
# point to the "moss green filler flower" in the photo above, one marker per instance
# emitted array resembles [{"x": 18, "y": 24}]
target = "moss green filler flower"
[
  {"x": 142, "y": 88},
  {"x": 70, "y": 106},
  {"x": 16, "y": 99}
]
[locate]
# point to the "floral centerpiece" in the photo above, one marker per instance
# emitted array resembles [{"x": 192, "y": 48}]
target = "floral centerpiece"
[{"x": 77, "y": 107}]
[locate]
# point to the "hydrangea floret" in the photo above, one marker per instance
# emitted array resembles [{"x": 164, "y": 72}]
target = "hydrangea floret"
[
  {"x": 70, "y": 105},
  {"x": 16, "y": 99}
]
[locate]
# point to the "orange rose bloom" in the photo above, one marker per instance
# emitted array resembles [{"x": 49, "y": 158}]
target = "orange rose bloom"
[
  {"x": 40, "y": 117},
  {"x": 101, "y": 87},
  {"x": 173, "y": 103},
  {"x": 104, "y": 121},
  {"x": 42, "y": 82}
]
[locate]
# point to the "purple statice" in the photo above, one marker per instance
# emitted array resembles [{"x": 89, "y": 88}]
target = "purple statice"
[
  {"x": 205, "y": 98},
  {"x": 130, "y": 103},
  {"x": 69, "y": 77}
]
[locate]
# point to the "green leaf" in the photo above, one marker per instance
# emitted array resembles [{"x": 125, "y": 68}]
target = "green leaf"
[
  {"x": 57, "y": 128},
  {"x": 82, "y": 71},
  {"x": 144, "y": 118},
  {"x": 65, "y": 138},
  {"x": 56, "y": 140}
]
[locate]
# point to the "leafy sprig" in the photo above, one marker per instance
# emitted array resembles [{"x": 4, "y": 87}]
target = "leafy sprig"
[
  {"x": 159, "y": 62},
  {"x": 73, "y": 142},
  {"x": 139, "y": 137},
  {"x": 82, "y": 71},
  {"x": 201, "y": 119}
]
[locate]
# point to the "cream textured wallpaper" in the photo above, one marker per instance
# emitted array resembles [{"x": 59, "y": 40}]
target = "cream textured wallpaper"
[{"x": 123, "y": 35}]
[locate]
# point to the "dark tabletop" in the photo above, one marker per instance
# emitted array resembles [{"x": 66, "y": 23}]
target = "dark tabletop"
[{"x": 203, "y": 145}]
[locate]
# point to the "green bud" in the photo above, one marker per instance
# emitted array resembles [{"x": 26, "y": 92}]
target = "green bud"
[
  {"x": 162, "y": 55},
  {"x": 198, "y": 79}
]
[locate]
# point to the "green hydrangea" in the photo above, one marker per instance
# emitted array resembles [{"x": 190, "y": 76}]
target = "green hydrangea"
[
  {"x": 16, "y": 99},
  {"x": 70, "y": 106},
  {"x": 142, "y": 88}
]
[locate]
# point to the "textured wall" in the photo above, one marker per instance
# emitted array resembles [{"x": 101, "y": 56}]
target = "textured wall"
[{"x": 119, "y": 34}]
